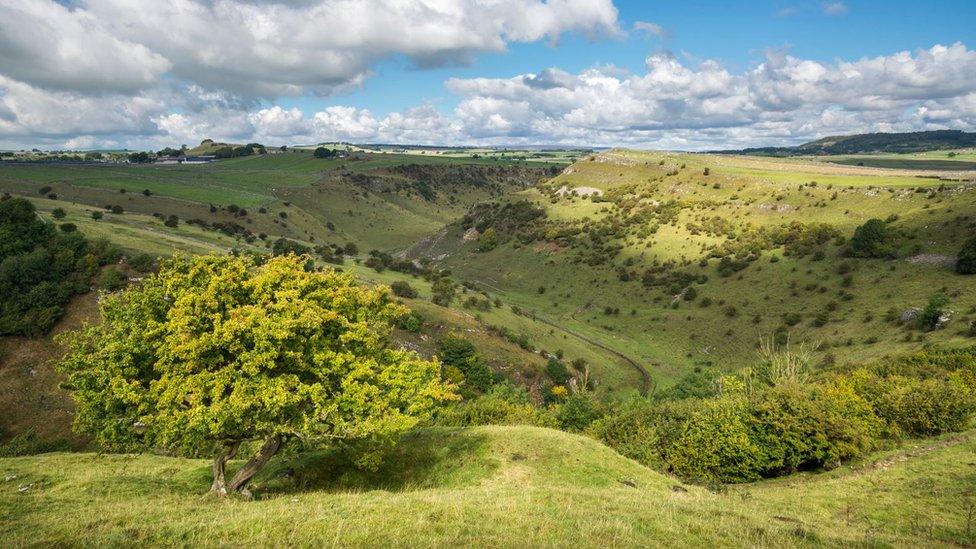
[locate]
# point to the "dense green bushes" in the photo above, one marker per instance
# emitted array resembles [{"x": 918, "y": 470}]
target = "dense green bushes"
[
  {"x": 40, "y": 269},
  {"x": 966, "y": 260},
  {"x": 464, "y": 365},
  {"x": 503, "y": 405},
  {"x": 770, "y": 421},
  {"x": 777, "y": 428}
]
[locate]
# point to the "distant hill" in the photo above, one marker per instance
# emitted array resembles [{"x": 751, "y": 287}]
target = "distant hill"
[
  {"x": 209, "y": 146},
  {"x": 871, "y": 143}
]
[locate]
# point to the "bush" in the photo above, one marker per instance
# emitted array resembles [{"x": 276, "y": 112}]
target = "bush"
[
  {"x": 557, "y": 372},
  {"x": 411, "y": 322},
  {"x": 503, "y": 405},
  {"x": 579, "y": 411},
  {"x": 929, "y": 318},
  {"x": 143, "y": 263},
  {"x": 871, "y": 240},
  {"x": 966, "y": 260},
  {"x": 27, "y": 443},
  {"x": 112, "y": 279},
  {"x": 40, "y": 269},
  {"x": 443, "y": 291},
  {"x": 921, "y": 407},
  {"x": 58, "y": 213},
  {"x": 712, "y": 441},
  {"x": 459, "y": 353},
  {"x": 402, "y": 288}
]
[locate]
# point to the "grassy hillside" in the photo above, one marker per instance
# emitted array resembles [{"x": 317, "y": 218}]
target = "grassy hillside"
[
  {"x": 909, "y": 142},
  {"x": 586, "y": 265},
  {"x": 487, "y": 486},
  {"x": 581, "y": 287}
]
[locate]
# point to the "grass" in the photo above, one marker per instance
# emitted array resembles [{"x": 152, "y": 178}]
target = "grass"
[
  {"x": 247, "y": 181},
  {"x": 364, "y": 203},
  {"x": 671, "y": 340},
  {"x": 485, "y": 487}
]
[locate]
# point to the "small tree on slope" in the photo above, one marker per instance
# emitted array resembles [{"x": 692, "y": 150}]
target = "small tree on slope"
[
  {"x": 214, "y": 352},
  {"x": 966, "y": 261}
]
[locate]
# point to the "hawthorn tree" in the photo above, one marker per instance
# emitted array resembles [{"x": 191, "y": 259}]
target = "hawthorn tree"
[
  {"x": 214, "y": 353},
  {"x": 966, "y": 260}
]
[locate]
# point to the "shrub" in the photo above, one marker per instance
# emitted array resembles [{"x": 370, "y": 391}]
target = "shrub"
[
  {"x": 58, "y": 213},
  {"x": 713, "y": 441},
  {"x": 460, "y": 353},
  {"x": 411, "y": 322},
  {"x": 966, "y": 260},
  {"x": 579, "y": 411},
  {"x": 112, "y": 279},
  {"x": 322, "y": 152},
  {"x": 557, "y": 371},
  {"x": 634, "y": 431},
  {"x": 402, "y": 288},
  {"x": 488, "y": 240},
  {"x": 871, "y": 240},
  {"x": 40, "y": 268},
  {"x": 921, "y": 407},
  {"x": 929, "y": 318},
  {"x": 142, "y": 262},
  {"x": 503, "y": 405},
  {"x": 443, "y": 291},
  {"x": 96, "y": 215}
]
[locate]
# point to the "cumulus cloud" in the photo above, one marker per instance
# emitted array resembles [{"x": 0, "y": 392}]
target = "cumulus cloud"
[
  {"x": 266, "y": 49},
  {"x": 782, "y": 98},
  {"x": 669, "y": 104}
]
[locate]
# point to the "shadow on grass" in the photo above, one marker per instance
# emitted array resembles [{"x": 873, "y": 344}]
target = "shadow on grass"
[{"x": 433, "y": 458}]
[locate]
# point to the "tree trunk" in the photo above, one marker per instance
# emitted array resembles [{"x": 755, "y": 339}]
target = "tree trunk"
[
  {"x": 226, "y": 453},
  {"x": 270, "y": 447}
]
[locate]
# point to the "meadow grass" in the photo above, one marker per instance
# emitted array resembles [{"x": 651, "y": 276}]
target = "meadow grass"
[{"x": 486, "y": 487}]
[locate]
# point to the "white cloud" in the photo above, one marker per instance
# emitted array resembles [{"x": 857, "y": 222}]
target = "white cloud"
[
  {"x": 48, "y": 45},
  {"x": 834, "y": 8},
  {"x": 266, "y": 48},
  {"x": 651, "y": 29},
  {"x": 671, "y": 103},
  {"x": 783, "y": 98}
]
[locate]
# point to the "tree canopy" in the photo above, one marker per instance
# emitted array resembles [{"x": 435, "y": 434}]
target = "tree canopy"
[
  {"x": 871, "y": 240},
  {"x": 966, "y": 260},
  {"x": 213, "y": 352},
  {"x": 40, "y": 269}
]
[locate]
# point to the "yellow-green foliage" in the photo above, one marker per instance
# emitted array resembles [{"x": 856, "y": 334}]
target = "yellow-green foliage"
[
  {"x": 783, "y": 427},
  {"x": 503, "y": 405},
  {"x": 220, "y": 350}
]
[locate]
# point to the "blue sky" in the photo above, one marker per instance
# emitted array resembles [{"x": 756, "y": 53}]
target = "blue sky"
[{"x": 686, "y": 75}]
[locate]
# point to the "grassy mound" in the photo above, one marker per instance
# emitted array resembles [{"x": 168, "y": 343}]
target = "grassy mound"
[{"x": 486, "y": 486}]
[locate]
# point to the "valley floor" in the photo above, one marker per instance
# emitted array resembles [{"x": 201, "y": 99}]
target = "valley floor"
[{"x": 489, "y": 486}]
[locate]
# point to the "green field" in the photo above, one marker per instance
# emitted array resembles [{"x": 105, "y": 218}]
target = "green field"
[
  {"x": 376, "y": 203},
  {"x": 580, "y": 281},
  {"x": 487, "y": 487},
  {"x": 672, "y": 337}
]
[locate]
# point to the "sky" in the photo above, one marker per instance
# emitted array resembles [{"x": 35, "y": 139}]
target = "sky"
[{"x": 690, "y": 75}]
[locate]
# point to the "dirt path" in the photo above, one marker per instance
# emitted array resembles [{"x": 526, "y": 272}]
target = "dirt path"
[{"x": 646, "y": 380}]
